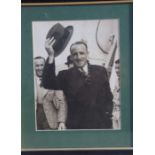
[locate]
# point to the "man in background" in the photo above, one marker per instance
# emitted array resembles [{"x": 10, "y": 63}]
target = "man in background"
[
  {"x": 69, "y": 62},
  {"x": 50, "y": 104}
]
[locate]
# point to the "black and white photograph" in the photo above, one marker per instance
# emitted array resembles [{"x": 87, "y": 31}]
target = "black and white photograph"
[{"x": 76, "y": 75}]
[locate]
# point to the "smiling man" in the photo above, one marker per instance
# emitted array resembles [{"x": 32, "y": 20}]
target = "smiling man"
[
  {"x": 39, "y": 66},
  {"x": 41, "y": 119},
  {"x": 85, "y": 86}
]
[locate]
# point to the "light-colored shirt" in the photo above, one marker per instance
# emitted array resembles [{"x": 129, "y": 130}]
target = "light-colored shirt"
[{"x": 40, "y": 91}]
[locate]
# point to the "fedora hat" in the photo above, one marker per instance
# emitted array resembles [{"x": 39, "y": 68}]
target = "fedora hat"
[{"x": 61, "y": 35}]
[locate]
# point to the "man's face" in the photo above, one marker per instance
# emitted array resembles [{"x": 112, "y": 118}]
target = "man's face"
[
  {"x": 79, "y": 55},
  {"x": 117, "y": 69},
  {"x": 39, "y": 66}
]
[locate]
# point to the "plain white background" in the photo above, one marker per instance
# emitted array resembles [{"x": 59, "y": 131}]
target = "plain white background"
[
  {"x": 10, "y": 126},
  {"x": 143, "y": 73}
]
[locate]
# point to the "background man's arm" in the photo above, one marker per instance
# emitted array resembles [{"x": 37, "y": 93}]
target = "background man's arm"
[{"x": 62, "y": 110}]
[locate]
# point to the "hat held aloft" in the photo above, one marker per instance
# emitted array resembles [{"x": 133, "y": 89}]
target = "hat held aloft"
[{"x": 61, "y": 35}]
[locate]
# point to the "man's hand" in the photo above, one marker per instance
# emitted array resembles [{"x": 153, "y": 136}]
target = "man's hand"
[
  {"x": 62, "y": 126},
  {"x": 59, "y": 98},
  {"x": 49, "y": 48}
]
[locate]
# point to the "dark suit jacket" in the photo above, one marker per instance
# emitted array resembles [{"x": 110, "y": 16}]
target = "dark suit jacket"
[{"x": 89, "y": 97}]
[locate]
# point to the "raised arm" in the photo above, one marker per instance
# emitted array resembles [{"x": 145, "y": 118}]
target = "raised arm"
[{"x": 49, "y": 76}]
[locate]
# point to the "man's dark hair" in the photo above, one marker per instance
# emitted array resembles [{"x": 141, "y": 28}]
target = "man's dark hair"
[
  {"x": 78, "y": 43},
  {"x": 39, "y": 57},
  {"x": 117, "y": 61},
  {"x": 69, "y": 60}
]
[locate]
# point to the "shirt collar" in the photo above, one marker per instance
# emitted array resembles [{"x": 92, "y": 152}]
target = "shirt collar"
[
  {"x": 84, "y": 68},
  {"x": 38, "y": 79}
]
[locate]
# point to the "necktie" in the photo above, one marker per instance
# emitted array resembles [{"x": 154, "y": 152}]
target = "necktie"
[
  {"x": 86, "y": 75},
  {"x": 83, "y": 72}
]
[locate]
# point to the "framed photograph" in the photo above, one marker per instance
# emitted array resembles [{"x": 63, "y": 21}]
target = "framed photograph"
[{"x": 76, "y": 75}]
